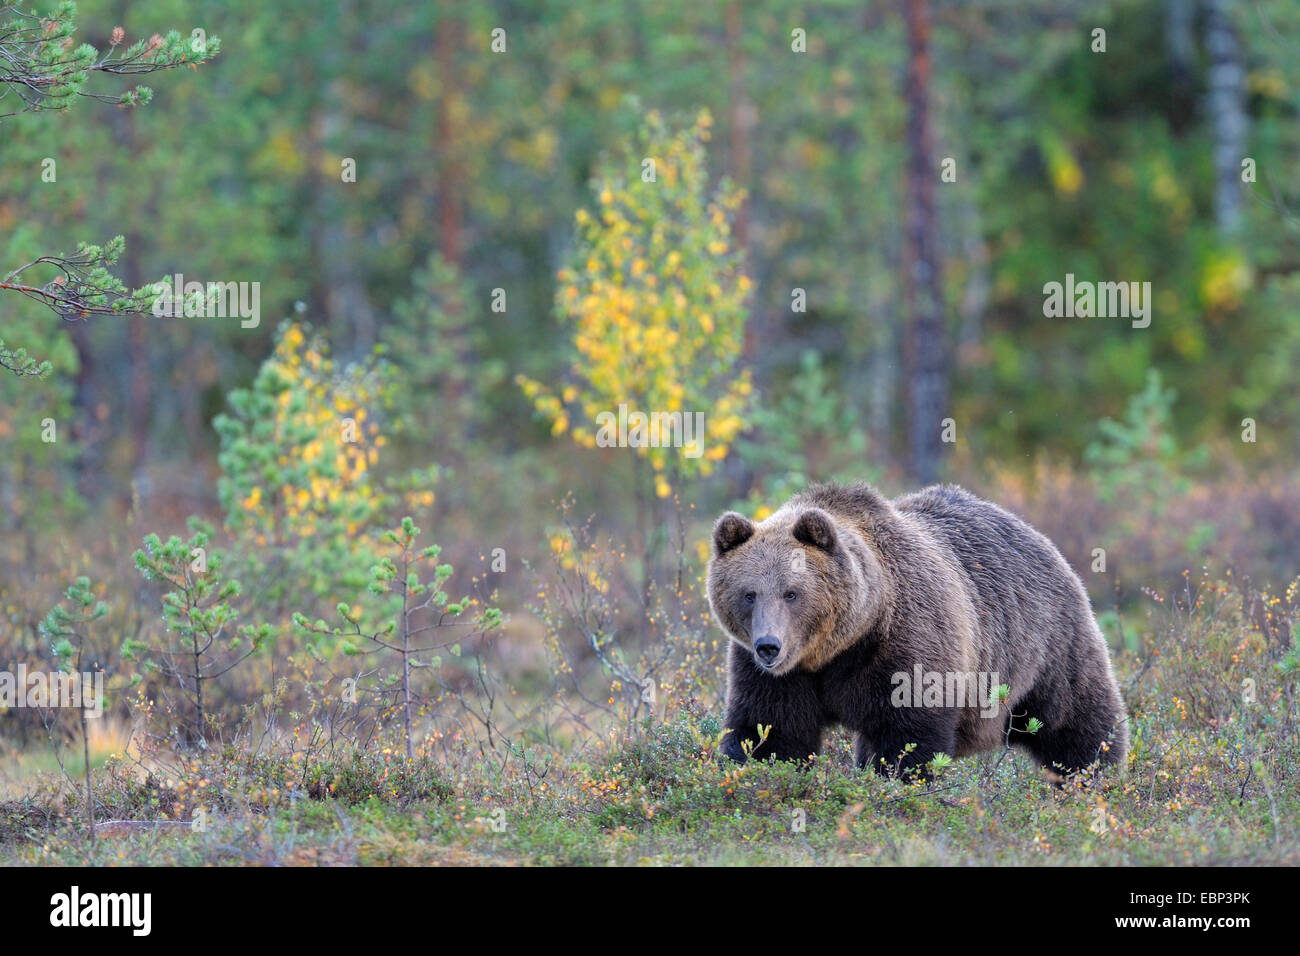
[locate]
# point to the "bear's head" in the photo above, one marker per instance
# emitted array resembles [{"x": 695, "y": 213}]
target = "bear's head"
[{"x": 794, "y": 590}]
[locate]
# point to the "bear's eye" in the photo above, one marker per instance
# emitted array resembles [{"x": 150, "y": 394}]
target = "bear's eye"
[
  {"x": 790, "y": 597},
  {"x": 749, "y": 597}
]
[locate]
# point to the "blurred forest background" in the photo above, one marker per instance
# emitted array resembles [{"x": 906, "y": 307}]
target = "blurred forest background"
[{"x": 857, "y": 207}]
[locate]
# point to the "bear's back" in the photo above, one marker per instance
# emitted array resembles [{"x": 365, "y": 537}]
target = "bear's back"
[
  {"x": 976, "y": 530},
  {"x": 1021, "y": 583}
]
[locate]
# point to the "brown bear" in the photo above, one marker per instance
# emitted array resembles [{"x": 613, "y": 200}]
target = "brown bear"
[{"x": 899, "y": 620}]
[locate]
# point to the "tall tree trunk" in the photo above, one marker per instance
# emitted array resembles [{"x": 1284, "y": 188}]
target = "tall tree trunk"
[
  {"x": 86, "y": 427},
  {"x": 447, "y": 144},
  {"x": 1180, "y": 43},
  {"x": 140, "y": 387},
  {"x": 926, "y": 347},
  {"x": 352, "y": 316},
  {"x": 741, "y": 119},
  {"x": 1227, "y": 113}
]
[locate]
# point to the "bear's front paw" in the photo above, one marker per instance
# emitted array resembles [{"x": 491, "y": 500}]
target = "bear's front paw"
[{"x": 732, "y": 748}]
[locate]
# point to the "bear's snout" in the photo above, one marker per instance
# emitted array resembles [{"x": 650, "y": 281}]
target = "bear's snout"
[{"x": 766, "y": 649}]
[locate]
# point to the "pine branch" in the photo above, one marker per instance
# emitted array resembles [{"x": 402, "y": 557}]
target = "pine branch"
[{"x": 43, "y": 68}]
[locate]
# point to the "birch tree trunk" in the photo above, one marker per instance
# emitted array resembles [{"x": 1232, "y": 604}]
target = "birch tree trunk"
[{"x": 1227, "y": 113}]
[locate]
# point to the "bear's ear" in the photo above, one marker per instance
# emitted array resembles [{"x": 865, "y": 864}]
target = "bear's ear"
[
  {"x": 816, "y": 528},
  {"x": 731, "y": 531}
]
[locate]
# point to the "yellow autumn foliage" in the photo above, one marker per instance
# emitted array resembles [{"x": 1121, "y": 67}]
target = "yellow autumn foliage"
[
  {"x": 323, "y": 441},
  {"x": 654, "y": 302}
]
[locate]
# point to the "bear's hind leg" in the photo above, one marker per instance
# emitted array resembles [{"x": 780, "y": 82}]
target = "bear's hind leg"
[{"x": 1068, "y": 747}]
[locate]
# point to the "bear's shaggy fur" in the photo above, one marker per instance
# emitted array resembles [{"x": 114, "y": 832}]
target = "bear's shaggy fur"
[{"x": 833, "y": 596}]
